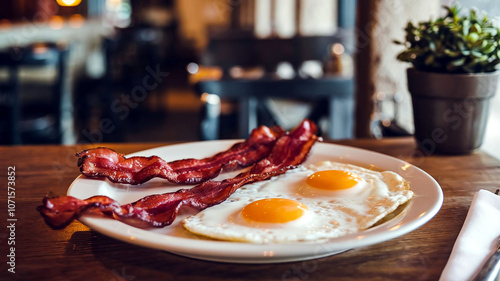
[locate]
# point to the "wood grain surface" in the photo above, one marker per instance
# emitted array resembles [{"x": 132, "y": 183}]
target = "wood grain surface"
[{"x": 78, "y": 253}]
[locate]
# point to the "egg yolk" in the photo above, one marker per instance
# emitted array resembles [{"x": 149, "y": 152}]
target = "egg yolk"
[
  {"x": 274, "y": 210},
  {"x": 333, "y": 179}
]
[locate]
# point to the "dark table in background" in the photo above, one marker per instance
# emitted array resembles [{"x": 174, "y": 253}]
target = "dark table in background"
[{"x": 77, "y": 253}]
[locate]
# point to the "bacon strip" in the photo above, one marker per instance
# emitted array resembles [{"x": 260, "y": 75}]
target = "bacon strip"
[
  {"x": 104, "y": 162},
  {"x": 160, "y": 210}
]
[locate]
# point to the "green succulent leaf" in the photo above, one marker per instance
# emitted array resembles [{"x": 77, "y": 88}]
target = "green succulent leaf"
[
  {"x": 472, "y": 37},
  {"x": 491, "y": 31},
  {"x": 476, "y": 28},
  {"x": 488, "y": 48},
  {"x": 429, "y": 60},
  {"x": 457, "y": 62},
  {"x": 451, "y": 53}
]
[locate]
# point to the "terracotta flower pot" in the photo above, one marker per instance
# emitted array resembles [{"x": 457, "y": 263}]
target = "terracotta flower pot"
[{"x": 450, "y": 110}]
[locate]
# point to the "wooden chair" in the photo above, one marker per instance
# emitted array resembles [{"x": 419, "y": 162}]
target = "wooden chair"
[
  {"x": 41, "y": 121},
  {"x": 336, "y": 92}
]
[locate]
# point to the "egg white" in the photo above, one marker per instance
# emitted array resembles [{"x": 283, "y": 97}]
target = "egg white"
[{"x": 332, "y": 213}]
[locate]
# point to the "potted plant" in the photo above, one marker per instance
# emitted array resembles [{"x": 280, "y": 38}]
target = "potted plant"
[{"x": 453, "y": 76}]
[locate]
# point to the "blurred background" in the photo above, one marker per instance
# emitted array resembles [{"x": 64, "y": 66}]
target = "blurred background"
[{"x": 92, "y": 71}]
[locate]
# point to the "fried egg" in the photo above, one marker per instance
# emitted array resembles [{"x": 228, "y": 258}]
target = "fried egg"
[{"x": 309, "y": 203}]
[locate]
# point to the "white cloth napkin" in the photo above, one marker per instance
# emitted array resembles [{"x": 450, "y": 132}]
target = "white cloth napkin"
[{"x": 477, "y": 239}]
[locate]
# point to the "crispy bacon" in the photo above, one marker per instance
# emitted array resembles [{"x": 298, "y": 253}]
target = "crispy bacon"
[
  {"x": 160, "y": 210},
  {"x": 104, "y": 162}
]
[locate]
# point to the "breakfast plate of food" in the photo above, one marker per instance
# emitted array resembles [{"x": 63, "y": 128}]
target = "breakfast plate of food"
[
  {"x": 276, "y": 197},
  {"x": 175, "y": 238}
]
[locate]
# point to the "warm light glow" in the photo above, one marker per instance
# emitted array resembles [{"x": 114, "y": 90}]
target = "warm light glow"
[
  {"x": 380, "y": 95},
  {"x": 338, "y": 49},
  {"x": 386, "y": 123},
  {"x": 69, "y": 3},
  {"x": 76, "y": 21},
  {"x": 205, "y": 73},
  {"x": 5, "y": 24},
  {"x": 113, "y": 4},
  {"x": 210, "y": 98},
  {"x": 56, "y": 22},
  {"x": 40, "y": 49}
]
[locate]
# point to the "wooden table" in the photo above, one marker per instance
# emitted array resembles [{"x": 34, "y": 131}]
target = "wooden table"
[{"x": 78, "y": 253}]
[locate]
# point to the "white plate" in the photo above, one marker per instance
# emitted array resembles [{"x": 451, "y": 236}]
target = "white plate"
[{"x": 424, "y": 205}]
